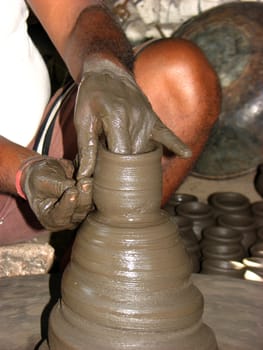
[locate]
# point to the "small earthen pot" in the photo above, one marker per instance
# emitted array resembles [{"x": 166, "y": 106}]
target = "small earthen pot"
[
  {"x": 253, "y": 269},
  {"x": 221, "y": 235},
  {"x": 243, "y": 224},
  {"x": 223, "y": 252},
  {"x": 229, "y": 203},
  {"x": 200, "y": 213},
  {"x": 223, "y": 267},
  {"x": 178, "y": 198}
]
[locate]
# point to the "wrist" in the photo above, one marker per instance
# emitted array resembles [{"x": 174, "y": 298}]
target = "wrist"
[
  {"x": 104, "y": 64},
  {"x": 96, "y": 32}
]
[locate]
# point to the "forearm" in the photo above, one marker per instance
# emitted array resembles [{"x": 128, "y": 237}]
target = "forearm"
[
  {"x": 11, "y": 158},
  {"x": 82, "y": 28}
]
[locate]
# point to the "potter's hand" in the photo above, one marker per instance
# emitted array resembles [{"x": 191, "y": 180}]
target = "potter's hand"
[
  {"x": 57, "y": 200},
  {"x": 110, "y": 103}
]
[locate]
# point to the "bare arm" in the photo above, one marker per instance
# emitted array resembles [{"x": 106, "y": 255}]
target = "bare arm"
[
  {"x": 11, "y": 157},
  {"x": 81, "y": 28},
  {"x": 75, "y": 27}
]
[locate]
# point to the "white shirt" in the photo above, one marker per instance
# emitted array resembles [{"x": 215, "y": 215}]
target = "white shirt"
[{"x": 24, "y": 79}]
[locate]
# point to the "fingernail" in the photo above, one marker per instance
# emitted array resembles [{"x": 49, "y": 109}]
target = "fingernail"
[{"x": 84, "y": 184}]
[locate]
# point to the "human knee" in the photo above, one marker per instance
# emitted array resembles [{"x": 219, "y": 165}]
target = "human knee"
[{"x": 179, "y": 82}]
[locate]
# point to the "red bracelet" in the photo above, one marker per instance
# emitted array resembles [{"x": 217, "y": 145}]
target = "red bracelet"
[
  {"x": 19, "y": 173},
  {"x": 19, "y": 190}
]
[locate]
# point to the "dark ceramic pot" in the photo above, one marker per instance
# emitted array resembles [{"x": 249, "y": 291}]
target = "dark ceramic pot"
[
  {"x": 244, "y": 225},
  {"x": 223, "y": 267},
  {"x": 178, "y": 198},
  {"x": 231, "y": 36},
  {"x": 200, "y": 213},
  {"x": 221, "y": 235},
  {"x": 223, "y": 252},
  {"x": 229, "y": 203}
]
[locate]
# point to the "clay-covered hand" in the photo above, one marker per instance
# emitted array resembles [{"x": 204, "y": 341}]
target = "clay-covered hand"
[
  {"x": 110, "y": 103},
  {"x": 59, "y": 202}
]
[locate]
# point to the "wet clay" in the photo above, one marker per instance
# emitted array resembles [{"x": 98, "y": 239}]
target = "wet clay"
[{"x": 128, "y": 283}]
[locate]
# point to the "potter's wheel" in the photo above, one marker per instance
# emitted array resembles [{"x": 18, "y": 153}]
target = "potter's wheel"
[{"x": 232, "y": 38}]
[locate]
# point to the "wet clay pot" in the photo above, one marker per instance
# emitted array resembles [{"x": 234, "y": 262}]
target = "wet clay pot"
[
  {"x": 189, "y": 239},
  {"x": 127, "y": 285},
  {"x": 229, "y": 203},
  {"x": 200, "y": 213},
  {"x": 243, "y": 224}
]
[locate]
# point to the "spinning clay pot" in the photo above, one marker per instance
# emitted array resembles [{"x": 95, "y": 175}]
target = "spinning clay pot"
[{"x": 127, "y": 285}]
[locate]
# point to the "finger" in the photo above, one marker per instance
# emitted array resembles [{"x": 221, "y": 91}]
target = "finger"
[
  {"x": 163, "y": 135},
  {"x": 116, "y": 130},
  {"x": 84, "y": 204},
  {"x": 54, "y": 188},
  {"x": 59, "y": 216},
  {"x": 87, "y": 160},
  {"x": 87, "y": 136}
]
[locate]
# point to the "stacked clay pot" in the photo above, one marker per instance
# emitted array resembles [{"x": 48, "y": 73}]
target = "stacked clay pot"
[
  {"x": 178, "y": 198},
  {"x": 244, "y": 224},
  {"x": 222, "y": 251},
  {"x": 229, "y": 203},
  {"x": 230, "y": 268},
  {"x": 185, "y": 228},
  {"x": 200, "y": 213}
]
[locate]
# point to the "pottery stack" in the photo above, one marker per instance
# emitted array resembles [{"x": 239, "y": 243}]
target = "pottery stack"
[
  {"x": 222, "y": 251},
  {"x": 201, "y": 215},
  {"x": 232, "y": 203},
  {"x": 178, "y": 198}
]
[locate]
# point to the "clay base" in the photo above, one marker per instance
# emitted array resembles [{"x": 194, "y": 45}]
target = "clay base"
[{"x": 90, "y": 337}]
